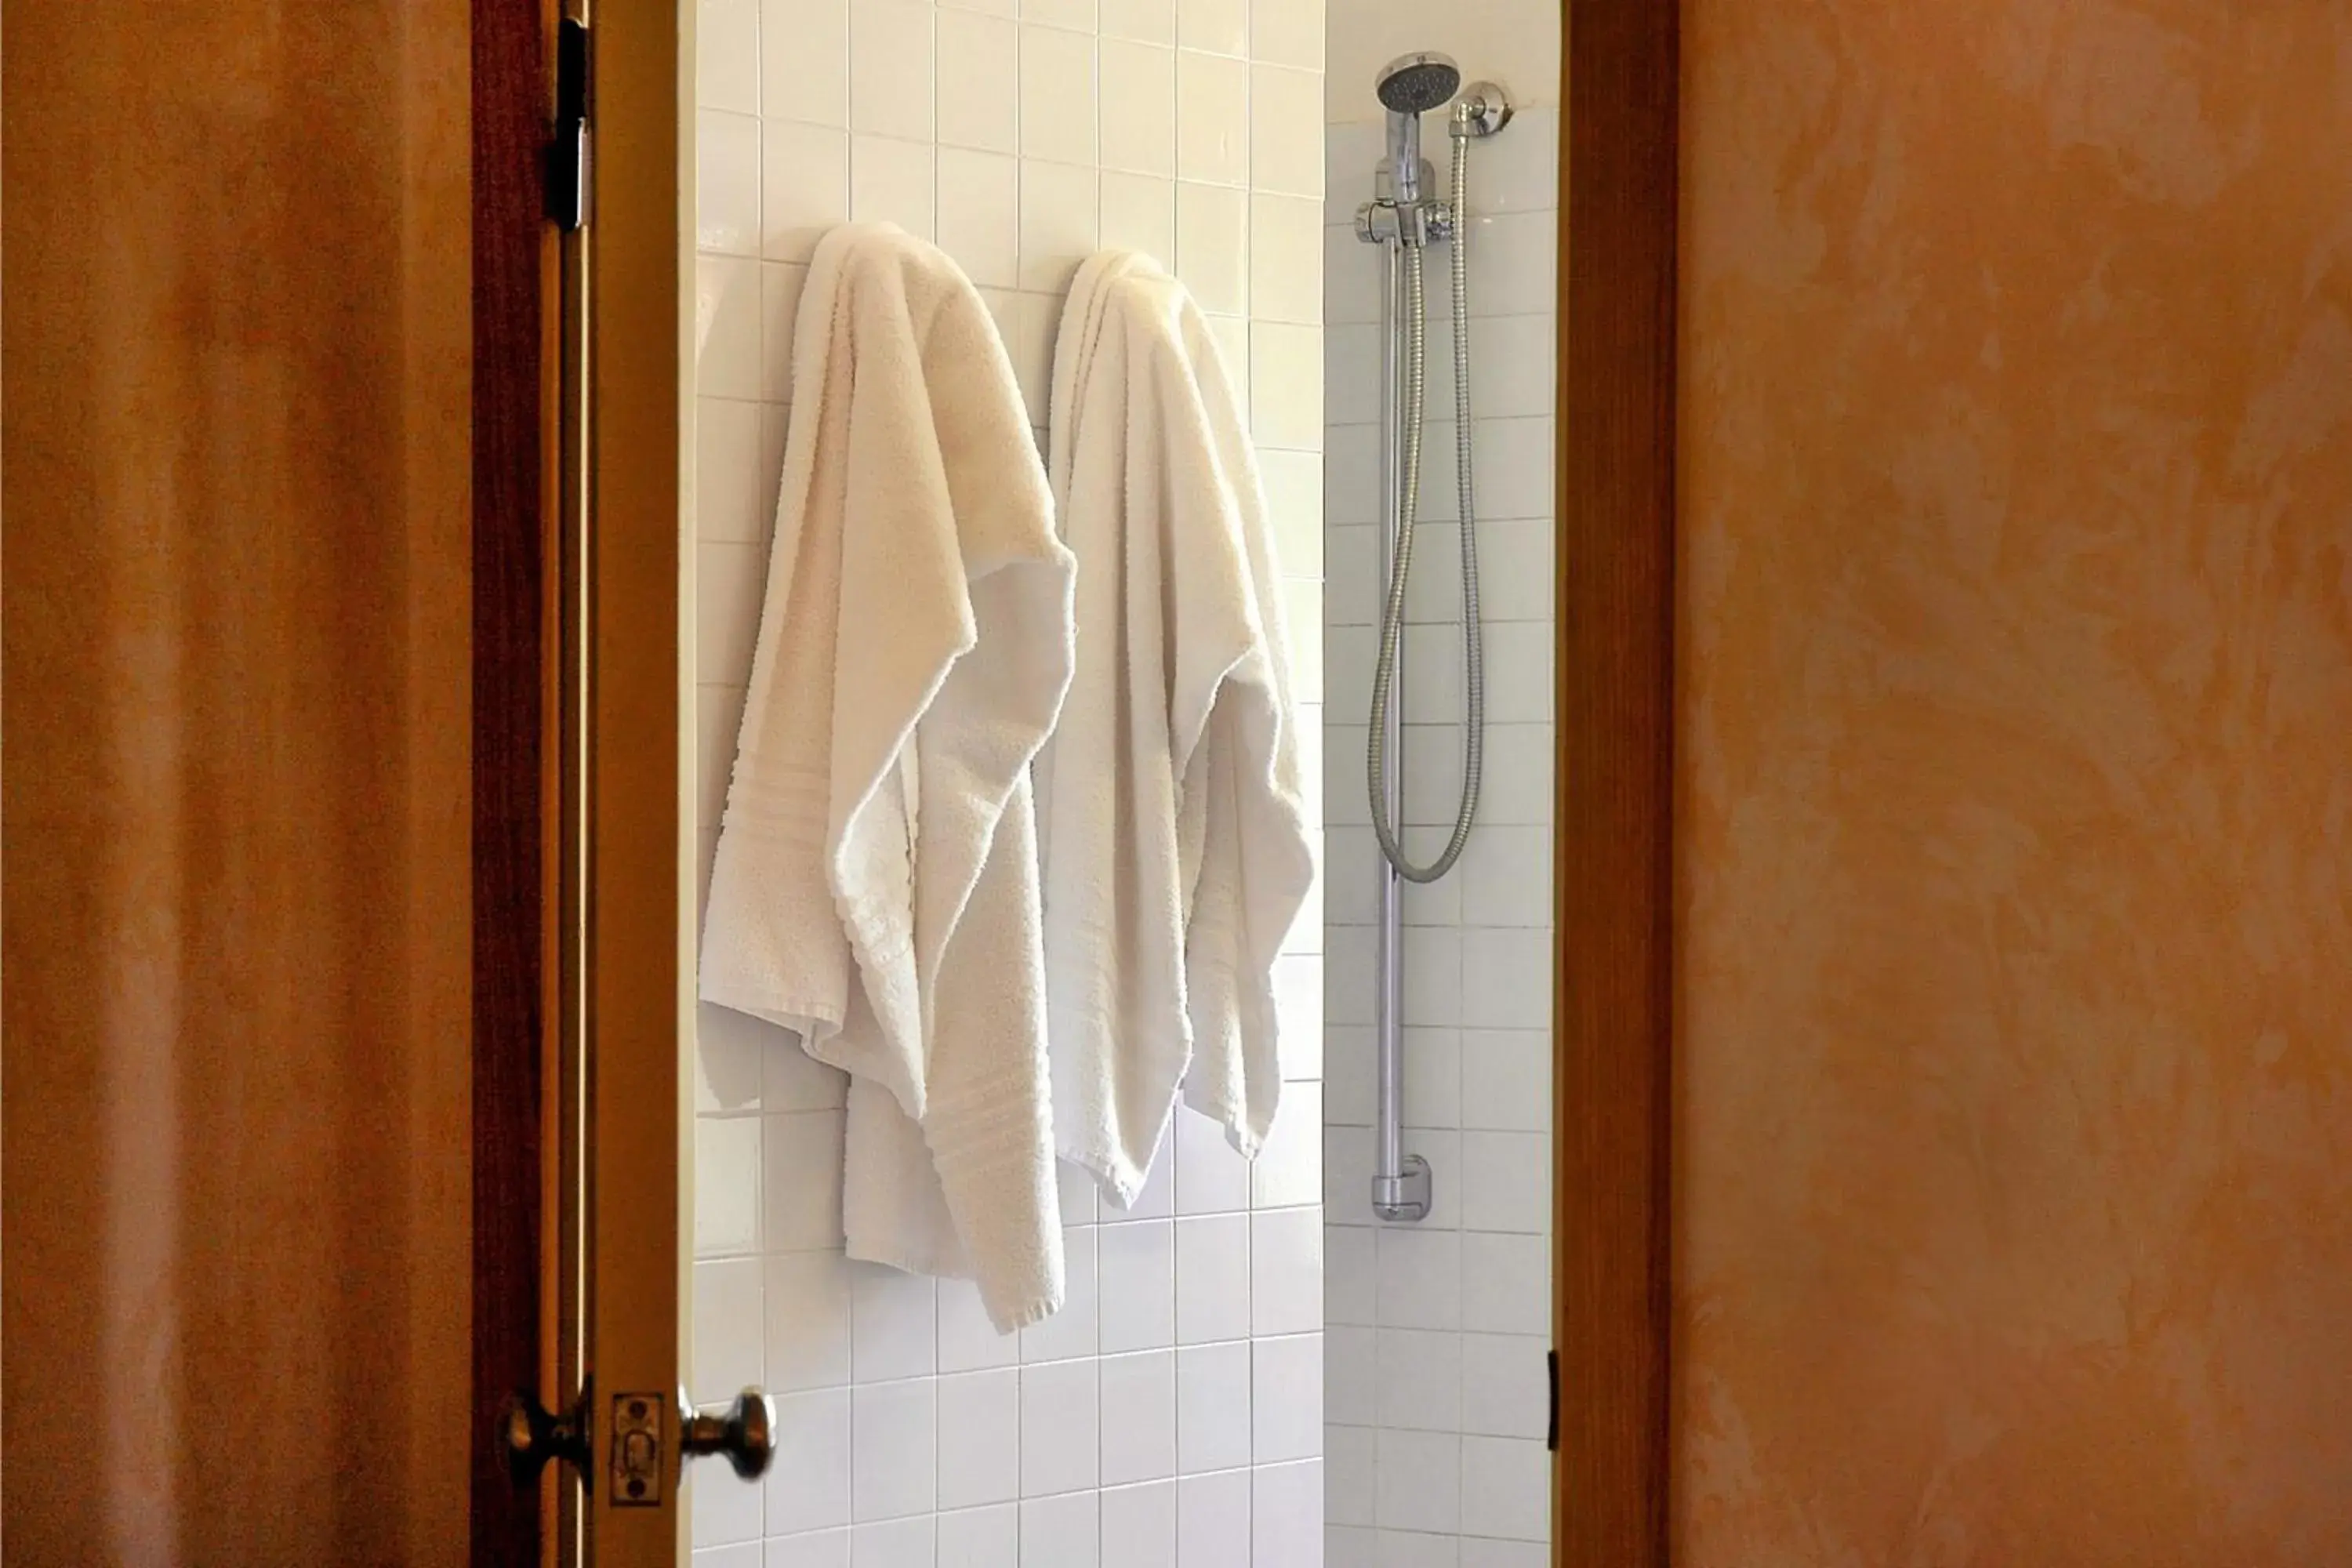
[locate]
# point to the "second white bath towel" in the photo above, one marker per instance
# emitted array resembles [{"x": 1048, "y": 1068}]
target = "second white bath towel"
[{"x": 1169, "y": 803}]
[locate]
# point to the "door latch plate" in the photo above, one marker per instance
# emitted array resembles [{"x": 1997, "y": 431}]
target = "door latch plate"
[{"x": 636, "y": 1431}]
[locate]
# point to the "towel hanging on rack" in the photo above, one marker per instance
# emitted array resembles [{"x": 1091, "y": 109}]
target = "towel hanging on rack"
[
  {"x": 1171, "y": 809},
  {"x": 875, "y": 885}
]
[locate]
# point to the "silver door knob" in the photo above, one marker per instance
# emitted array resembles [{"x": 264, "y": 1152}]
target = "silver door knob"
[{"x": 744, "y": 1431}]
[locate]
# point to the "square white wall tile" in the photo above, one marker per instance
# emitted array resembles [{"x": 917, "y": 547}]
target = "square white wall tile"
[
  {"x": 893, "y": 1324},
  {"x": 726, "y": 327},
  {"x": 1210, "y": 1175},
  {"x": 979, "y": 215},
  {"x": 1139, "y": 1417},
  {"x": 1482, "y": 1553},
  {"x": 1351, "y": 1485},
  {"x": 1211, "y": 117},
  {"x": 1287, "y": 1399},
  {"x": 728, "y": 485},
  {"x": 979, "y": 85},
  {"x": 1213, "y": 1278},
  {"x": 981, "y": 1538},
  {"x": 1507, "y": 1284},
  {"x": 1285, "y": 243},
  {"x": 1058, "y": 96},
  {"x": 1288, "y": 33},
  {"x": 727, "y": 1186},
  {"x": 801, "y": 1182},
  {"x": 890, "y": 61},
  {"x": 1419, "y": 1480},
  {"x": 1418, "y": 1377},
  {"x": 1139, "y": 107},
  {"x": 1212, "y": 1408},
  {"x": 804, "y": 186},
  {"x": 1419, "y": 1279},
  {"x": 891, "y": 181},
  {"x": 727, "y": 54},
  {"x": 1072, "y": 1331},
  {"x": 1146, "y": 21},
  {"x": 1138, "y": 213},
  {"x": 1286, "y": 1514},
  {"x": 1506, "y": 1487},
  {"x": 1213, "y": 1520},
  {"x": 979, "y": 1438},
  {"x": 894, "y": 1433},
  {"x": 1506, "y": 1181},
  {"x": 1287, "y": 131},
  {"x": 1507, "y": 1079},
  {"x": 1061, "y": 1532},
  {"x": 727, "y": 183},
  {"x": 808, "y": 1321},
  {"x": 1060, "y": 1426},
  {"x": 1213, "y": 247},
  {"x": 1286, "y": 385},
  {"x": 968, "y": 1341},
  {"x": 1506, "y": 977},
  {"x": 1143, "y": 1520},
  {"x": 1060, "y": 222},
  {"x": 1505, "y": 1385},
  {"x": 1137, "y": 1266},
  {"x": 729, "y": 1354},
  {"x": 808, "y": 1482},
  {"x": 804, "y": 62},
  {"x": 724, "y": 1510},
  {"x": 1078, "y": 13},
  {"x": 1285, "y": 1285},
  {"x": 1289, "y": 1171},
  {"x": 896, "y": 1543},
  {"x": 1221, "y": 27}
]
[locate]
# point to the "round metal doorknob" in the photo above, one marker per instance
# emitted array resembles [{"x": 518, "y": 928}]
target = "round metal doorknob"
[{"x": 745, "y": 1432}]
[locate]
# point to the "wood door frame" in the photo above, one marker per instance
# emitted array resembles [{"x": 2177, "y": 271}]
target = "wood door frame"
[
  {"x": 1614, "y": 882},
  {"x": 512, "y": 414}
]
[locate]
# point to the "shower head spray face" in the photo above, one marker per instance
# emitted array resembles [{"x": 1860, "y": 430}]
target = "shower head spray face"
[
  {"x": 1409, "y": 87},
  {"x": 1416, "y": 84}
]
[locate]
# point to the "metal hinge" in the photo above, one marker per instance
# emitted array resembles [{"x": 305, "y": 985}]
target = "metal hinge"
[
  {"x": 570, "y": 169},
  {"x": 1552, "y": 1422}
]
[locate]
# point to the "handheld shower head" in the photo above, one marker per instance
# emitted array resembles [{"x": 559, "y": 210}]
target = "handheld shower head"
[
  {"x": 1409, "y": 87},
  {"x": 1417, "y": 83}
]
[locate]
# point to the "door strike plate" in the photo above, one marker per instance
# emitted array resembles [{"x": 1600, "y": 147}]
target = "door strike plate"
[{"x": 637, "y": 1450}]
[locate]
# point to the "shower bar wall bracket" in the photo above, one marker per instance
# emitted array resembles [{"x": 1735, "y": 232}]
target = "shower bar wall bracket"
[{"x": 1406, "y": 1194}]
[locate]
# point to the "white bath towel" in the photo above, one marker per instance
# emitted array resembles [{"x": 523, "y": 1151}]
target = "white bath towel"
[
  {"x": 1169, "y": 804},
  {"x": 875, "y": 886}
]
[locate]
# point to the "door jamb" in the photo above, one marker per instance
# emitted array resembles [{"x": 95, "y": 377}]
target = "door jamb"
[
  {"x": 512, "y": 412},
  {"x": 1613, "y": 984}
]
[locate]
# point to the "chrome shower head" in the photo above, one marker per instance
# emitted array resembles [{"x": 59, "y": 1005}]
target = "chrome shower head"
[
  {"x": 1410, "y": 85},
  {"x": 1416, "y": 83}
]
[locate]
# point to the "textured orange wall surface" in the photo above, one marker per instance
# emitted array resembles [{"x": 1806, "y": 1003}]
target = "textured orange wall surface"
[{"x": 2014, "y": 1181}]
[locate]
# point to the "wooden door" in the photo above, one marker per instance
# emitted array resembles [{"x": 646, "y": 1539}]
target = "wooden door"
[
  {"x": 1998, "y": 1207},
  {"x": 237, "y": 782},
  {"x": 341, "y": 777}
]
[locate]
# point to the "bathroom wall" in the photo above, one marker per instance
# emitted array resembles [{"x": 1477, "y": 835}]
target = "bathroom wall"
[
  {"x": 1437, "y": 1331},
  {"x": 1172, "y": 1413},
  {"x": 2014, "y": 1126}
]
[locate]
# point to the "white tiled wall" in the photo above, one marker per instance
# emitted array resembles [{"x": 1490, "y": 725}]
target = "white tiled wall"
[
  {"x": 1435, "y": 1379},
  {"x": 1171, "y": 1415}
]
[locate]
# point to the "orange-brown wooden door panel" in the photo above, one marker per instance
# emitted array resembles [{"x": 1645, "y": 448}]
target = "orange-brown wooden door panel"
[{"x": 236, "y": 783}]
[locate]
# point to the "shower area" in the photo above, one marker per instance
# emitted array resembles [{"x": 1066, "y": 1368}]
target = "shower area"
[{"x": 1335, "y": 1353}]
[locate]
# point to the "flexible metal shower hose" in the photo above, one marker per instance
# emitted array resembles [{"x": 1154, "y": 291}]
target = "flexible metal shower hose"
[{"x": 1384, "y": 671}]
